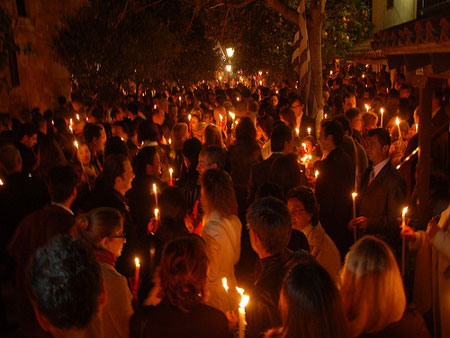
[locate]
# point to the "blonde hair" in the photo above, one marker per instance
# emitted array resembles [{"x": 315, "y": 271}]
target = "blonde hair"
[{"x": 372, "y": 288}]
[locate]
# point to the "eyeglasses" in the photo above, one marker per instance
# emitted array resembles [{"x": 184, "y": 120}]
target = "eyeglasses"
[
  {"x": 296, "y": 212},
  {"x": 123, "y": 235}
]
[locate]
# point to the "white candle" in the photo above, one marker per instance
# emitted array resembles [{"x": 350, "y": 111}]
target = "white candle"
[
  {"x": 136, "y": 276},
  {"x": 297, "y": 131},
  {"x": 404, "y": 211},
  {"x": 316, "y": 174},
  {"x": 354, "y": 214},
  {"x": 382, "y": 112},
  {"x": 367, "y": 107},
  {"x": 397, "y": 122},
  {"x": 309, "y": 131},
  {"x": 156, "y": 211},
  {"x": 156, "y": 194},
  {"x": 242, "y": 322}
]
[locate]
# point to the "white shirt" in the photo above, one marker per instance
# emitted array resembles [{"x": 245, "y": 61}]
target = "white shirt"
[
  {"x": 377, "y": 168},
  {"x": 63, "y": 206}
]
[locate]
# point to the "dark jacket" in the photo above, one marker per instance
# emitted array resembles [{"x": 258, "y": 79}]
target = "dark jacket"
[
  {"x": 382, "y": 202},
  {"x": 334, "y": 188},
  {"x": 262, "y": 310},
  {"x": 165, "y": 320},
  {"x": 260, "y": 174}
]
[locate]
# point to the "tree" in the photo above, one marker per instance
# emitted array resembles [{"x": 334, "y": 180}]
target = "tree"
[{"x": 125, "y": 45}]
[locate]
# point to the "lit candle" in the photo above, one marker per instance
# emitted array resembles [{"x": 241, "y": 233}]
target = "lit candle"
[
  {"x": 136, "y": 276},
  {"x": 156, "y": 212},
  {"x": 1, "y": 182},
  {"x": 71, "y": 129},
  {"x": 325, "y": 116},
  {"x": 156, "y": 194},
  {"x": 382, "y": 112},
  {"x": 363, "y": 76},
  {"x": 155, "y": 106},
  {"x": 190, "y": 127},
  {"x": 309, "y": 131},
  {"x": 76, "y": 144},
  {"x": 354, "y": 194},
  {"x": 297, "y": 131},
  {"x": 221, "y": 119},
  {"x": 397, "y": 122},
  {"x": 331, "y": 72},
  {"x": 367, "y": 107},
  {"x": 242, "y": 322},
  {"x": 304, "y": 148},
  {"x": 78, "y": 117},
  {"x": 417, "y": 127},
  {"x": 225, "y": 286},
  {"x": 316, "y": 174},
  {"x": 71, "y": 122},
  {"x": 233, "y": 116},
  {"x": 170, "y": 141},
  {"x": 404, "y": 211},
  {"x": 170, "y": 176},
  {"x": 260, "y": 83},
  {"x": 238, "y": 99}
]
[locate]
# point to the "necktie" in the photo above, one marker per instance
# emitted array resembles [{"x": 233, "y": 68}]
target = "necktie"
[{"x": 372, "y": 176}]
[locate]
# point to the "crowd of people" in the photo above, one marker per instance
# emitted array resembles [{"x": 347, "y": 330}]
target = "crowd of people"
[{"x": 226, "y": 182}]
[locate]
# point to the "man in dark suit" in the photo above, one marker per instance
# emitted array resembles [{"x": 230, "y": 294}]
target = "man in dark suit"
[
  {"x": 303, "y": 122},
  {"x": 334, "y": 185},
  {"x": 382, "y": 194},
  {"x": 281, "y": 142},
  {"x": 35, "y": 231}
]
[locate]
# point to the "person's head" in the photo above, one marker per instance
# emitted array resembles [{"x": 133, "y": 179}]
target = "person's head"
[
  {"x": 217, "y": 193},
  {"x": 310, "y": 305},
  {"x": 296, "y": 105},
  {"x": 49, "y": 154},
  {"x": 264, "y": 126},
  {"x": 147, "y": 131},
  {"x": 379, "y": 145},
  {"x": 370, "y": 121},
  {"x": 191, "y": 150},
  {"x": 348, "y": 102},
  {"x": 213, "y": 136},
  {"x": 120, "y": 129},
  {"x": 27, "y": 135},
  {"x": 103, "y": 229},
  {"x": 303, "y": 207},
  {"x": 245, "y": 131},
  {"x": 269, "y": 224},
  {"x": 287, "y": 116},
  {"x": 158, "y": 116},
  {"x": 66, "y": 285},
  {"x": 281, "y": 139},
  {"x": 147, "y": 162},
  {"x": 61, "y": 183},
  {"x": 208, "y": 117},
  {"x": 285, "y": 171},
  {"x": 10, "y": 160},
  {"x": 117, "y": 115},
  {"x": 355, "y": 118},
  {"x": 118, "y": 173},
  {"x": 331, "y": 134},
  {"x": 84, "y": 154},
  {"x": 95, "y": 137},
  {"x": 180, "y": 133},
  {"x": 115, "y": 145},
  {"x": 372, "y": 288},
  {"x": 211, "y": 157},
  {"x": 183, "y": 272}
]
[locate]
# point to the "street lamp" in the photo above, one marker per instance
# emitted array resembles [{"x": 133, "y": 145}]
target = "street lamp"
[{"x": 230, "y": 52}]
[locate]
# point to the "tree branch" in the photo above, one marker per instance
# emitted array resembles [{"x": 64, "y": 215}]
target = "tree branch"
[
  {"x": 289, "y": 13},
  {"x": 238, "y": 4}
]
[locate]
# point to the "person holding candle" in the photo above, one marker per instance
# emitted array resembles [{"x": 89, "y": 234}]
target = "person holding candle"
[
  {"x": 103, "y": 229},
  {"x": 310, "y": 305},
  {"x": 182, "y": 311},
  {"x": 222, "y": 234},
  {"x": 373, "y": 295},
  {"x": 382, "y": 193},
  {"x": 95, "y": 137},
  {"x": 431, "y": 283},
  {"x": 301, "y": 120},
  {"x": 89, "y": 171}
]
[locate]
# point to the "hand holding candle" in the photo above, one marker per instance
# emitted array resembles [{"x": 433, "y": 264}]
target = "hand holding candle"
[
  {"x": 242, "y": 322},
  {"x": 155, "y": 192},
  {"x": 136, "y": 276}
]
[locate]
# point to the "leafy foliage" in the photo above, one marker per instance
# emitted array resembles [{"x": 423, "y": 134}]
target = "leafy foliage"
[
  {"x": 110, "y": 46},
  {"x": 347, "y": 22}
]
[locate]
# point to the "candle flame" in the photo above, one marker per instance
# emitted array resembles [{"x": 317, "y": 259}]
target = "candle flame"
[
  {"x": 1, "y": 181},
  {"x": 354, "y": 194},
  {"x": 71, "y": 122},
  {"x": 78, "y": 117},
  {"x": 238, "y": 99},
  {"x": 309, "y": 130},
  {"x": 239, "y": 290},
  {"x": 76, "y": 144},
  {"x": 189, "y": 117},
  {"x": 316, "y": 174},
  {"x": 233, "y": 116},
  {"x": 156, "y": 211},
  {"x": 225, "y": 284},
  {"x": 298, "y": 132},
  {"x": 170, "y": 141},
  {"x": 244, "y": 301},
  {"x": 154, "y": 188},
  {"x": 367, "y": 107},
  {"x": 136, "y": 262},
  {"x": 397, "y": 121},
  {"x": 170, "y": 171},
  {"x": 404, "y": 211},
  {"x": 220, "y": 117},
  {"x": 325, "y": 116},
  {"x": 155, "y": 106},
  {"x": 382, "y": 111}
]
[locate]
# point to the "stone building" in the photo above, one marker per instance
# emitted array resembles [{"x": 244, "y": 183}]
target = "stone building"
[{"x": 35, "y": 79}]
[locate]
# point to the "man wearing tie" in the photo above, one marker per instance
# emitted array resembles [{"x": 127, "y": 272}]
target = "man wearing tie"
[{"x": 382, "y": 194}]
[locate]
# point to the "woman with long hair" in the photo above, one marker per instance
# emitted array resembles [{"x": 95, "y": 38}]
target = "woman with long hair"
[
  {"x": 103, "y": 229},
  {"x": 182, "y": 311},
  {"x": 373, "y": 295},
  {"x": 310, "y": 305},
  {"x": 222, "y": 234}
]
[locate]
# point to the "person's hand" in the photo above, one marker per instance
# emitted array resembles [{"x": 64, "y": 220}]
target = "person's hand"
[
  {"x": 409, "y": 233},
  {"x": 432, "y": 227},
  {"x": 232, "y": 320},
  {"x": 358, "y": 222},
  {"x": 152, "y": 226},
  {"x": 189, "y": 223}
]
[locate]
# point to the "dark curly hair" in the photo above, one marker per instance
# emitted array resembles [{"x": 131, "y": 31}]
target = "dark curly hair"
[{"x": 66, "y": 282}]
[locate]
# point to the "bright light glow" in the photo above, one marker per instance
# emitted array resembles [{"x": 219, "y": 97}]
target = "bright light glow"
[
  {"x": 189, "y": 117},
  {"x": 244, "y": 301},
  {"x": 260, "y": 73},
  {"x": 367, "y": 107},
  {"x": 170, "y": 141},
  {"x": 154, "y": 188},
  {"x": 404, "y": 211},
  {"x": 228, "y": 68},
  {"x": 382, "y": 111},
  {"x": 1, "y": 182},
  {"x": 316, "y": 174},
  {"x": 78, "y": 117},
  {"x": 136, "y": 262},
  {"x": 233, "y": 116},
  {"x": 297, "y": 131},
  {"x": 354, "y": 195},
  {"x": 397, "y": 121},
  {"x": 230, "y": 52},
  {"x": 170, "y": 171},
  {"x": 309, "y": 130},
  {"x": 225, "y": 284},
  {"x": 156, "y": 211},
  {"x": 76, "y": 144},
  {"x": 239, "y": 290}
]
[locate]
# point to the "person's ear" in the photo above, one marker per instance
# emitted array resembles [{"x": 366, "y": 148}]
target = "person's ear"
[
  {"x": 42, "y": 320},
  {"x": 117, "y": 180},
  {"x": 104, "y": 242},
  {"x": 386, "y": 149}
]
